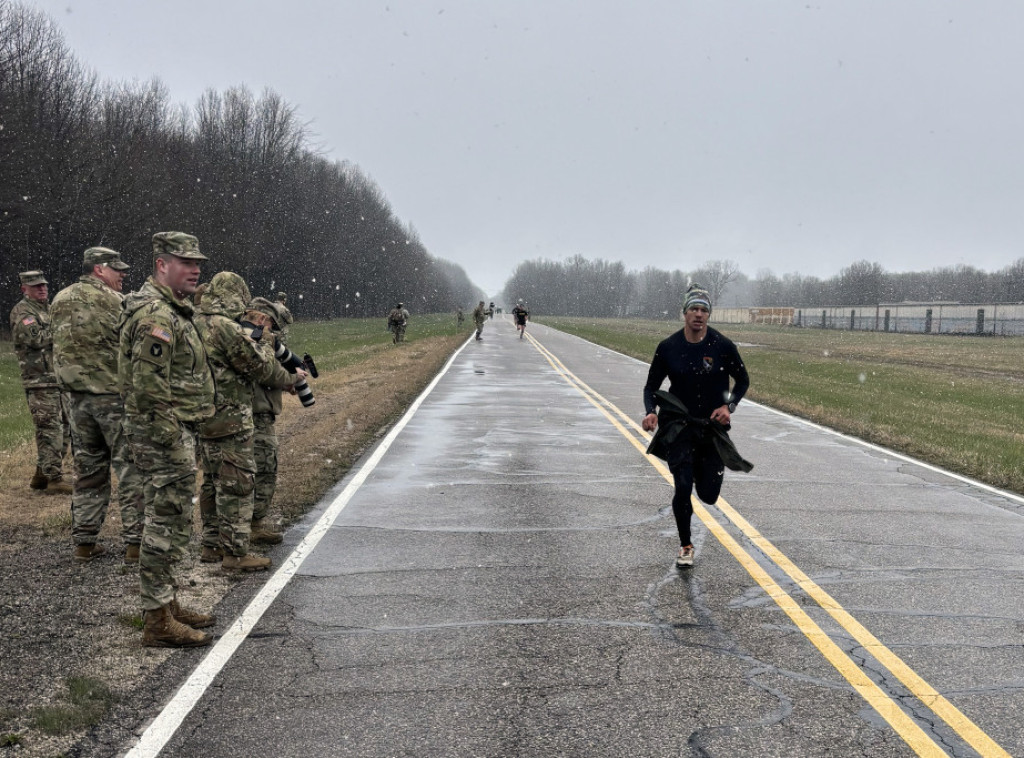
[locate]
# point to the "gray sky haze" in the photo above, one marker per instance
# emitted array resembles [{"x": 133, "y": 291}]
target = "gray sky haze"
[{"x": 793, "y": 136}]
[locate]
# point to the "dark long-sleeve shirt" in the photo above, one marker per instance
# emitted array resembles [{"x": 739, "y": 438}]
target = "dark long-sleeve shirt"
[{"x": 699, "y": 373}]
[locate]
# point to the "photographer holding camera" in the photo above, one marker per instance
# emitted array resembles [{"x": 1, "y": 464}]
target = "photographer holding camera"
[
  {"x": 268, "y": 319},
  {"x": 239, "y": 363}
]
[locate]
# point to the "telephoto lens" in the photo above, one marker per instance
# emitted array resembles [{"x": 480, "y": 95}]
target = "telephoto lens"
[
  {"x": 305, "y": 393},
  {"x": 288, "y": 359}
]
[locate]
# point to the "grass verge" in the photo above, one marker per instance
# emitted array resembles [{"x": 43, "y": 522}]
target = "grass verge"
[{"x": 87, "y": 702}]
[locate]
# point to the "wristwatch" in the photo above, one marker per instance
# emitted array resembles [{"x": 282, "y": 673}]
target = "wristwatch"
[{"x": 731, "y": 407}]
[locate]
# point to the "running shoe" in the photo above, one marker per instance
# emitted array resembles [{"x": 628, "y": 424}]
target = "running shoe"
[{"x": 685, "y": 557}]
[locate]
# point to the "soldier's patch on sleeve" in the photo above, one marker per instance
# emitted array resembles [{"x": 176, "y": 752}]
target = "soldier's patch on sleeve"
[
  {"x": 162, "y": 334},
  {"x": 28, "y": 320},
  {"x": 156, "y": 346}
]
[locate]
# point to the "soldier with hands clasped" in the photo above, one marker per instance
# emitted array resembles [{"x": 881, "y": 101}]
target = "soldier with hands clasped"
[{"x": 86, "y": 317}]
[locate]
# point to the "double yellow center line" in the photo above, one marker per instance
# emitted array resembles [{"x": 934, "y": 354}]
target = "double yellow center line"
[{"x": 884, "y": 703}]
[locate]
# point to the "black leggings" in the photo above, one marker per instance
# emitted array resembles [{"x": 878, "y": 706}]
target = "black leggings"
[{"x": 694, "y": 464}]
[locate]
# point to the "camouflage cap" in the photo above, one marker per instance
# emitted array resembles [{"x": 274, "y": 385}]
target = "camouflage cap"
[
  {"x": 178, "y": 244},
  {"x": 270, "y": 309},
  {"x": 29, "y": 278},
  {"x": 104, "y": 255}
]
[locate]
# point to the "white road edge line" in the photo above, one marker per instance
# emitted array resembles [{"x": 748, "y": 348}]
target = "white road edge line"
[
  {"x": 163, "y": 727},
  {"x": 878, "y": 448}
]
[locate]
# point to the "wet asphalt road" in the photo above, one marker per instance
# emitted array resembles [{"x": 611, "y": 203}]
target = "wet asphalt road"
[{"x": 503, "y": 585}]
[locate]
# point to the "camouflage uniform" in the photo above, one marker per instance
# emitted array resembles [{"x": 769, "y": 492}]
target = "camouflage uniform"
[
  {"x": 397, "y": 321},
  {"x": 86, "y": 317},
  {"x": 32, "y": 336},
  {"x": 286, "y": 315},
  {"x": 479, "y": 317},
  {"x": 227, "y": 447},
  {"x": 168, "y": 391},
  {"x": 266, "y": 407}
]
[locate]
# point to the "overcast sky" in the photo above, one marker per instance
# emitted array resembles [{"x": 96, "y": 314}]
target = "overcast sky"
[{"x": 792, "y": 136}]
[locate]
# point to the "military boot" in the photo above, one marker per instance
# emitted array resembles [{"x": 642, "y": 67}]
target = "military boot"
[
  {"x": 85, "y": 553},
  {"x": 191, "y": 618},
  {"x": 263, "y": 533},
  {"x": 131, "y": 554},
  {"x": 39, "y": 480},
  {"x": 247, "y": 562},
  {"x": 163, "y": 630},
  {"x": 57, "y": 486},
  {"x": 211, "y": 554}
]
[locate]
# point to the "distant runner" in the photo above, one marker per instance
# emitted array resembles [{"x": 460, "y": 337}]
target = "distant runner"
[
  {"x": 521, "y": 316},
  {"x": 695, "y": 414}
]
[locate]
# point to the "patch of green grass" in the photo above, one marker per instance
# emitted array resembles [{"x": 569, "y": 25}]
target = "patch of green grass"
[
  {"x": 333, "y": 344},
  {"x": 15, "y": 421},
  {"x": 131, "y": 620},
  {"x": 10, "y": 740},
  {"x": 951, "y": 401},
  {"x": 88, "y": 701},
  {"x": 341, "y": 342}
]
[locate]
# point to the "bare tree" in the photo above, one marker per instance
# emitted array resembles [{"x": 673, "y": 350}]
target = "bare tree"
[{"x": 716, "y": 275}]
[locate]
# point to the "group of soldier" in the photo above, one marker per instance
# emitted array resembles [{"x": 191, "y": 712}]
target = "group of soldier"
[{"x": 148, "y": 384}]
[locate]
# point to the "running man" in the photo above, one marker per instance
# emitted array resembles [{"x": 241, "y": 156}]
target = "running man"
[
  {"x": 521, "y": 316},
  {"x": 698, "y": 409}
]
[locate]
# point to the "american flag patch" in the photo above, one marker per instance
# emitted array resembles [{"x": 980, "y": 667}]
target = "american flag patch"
[
  {"x": 28, "y": 320},
  {"x": 161, "y": 334}
]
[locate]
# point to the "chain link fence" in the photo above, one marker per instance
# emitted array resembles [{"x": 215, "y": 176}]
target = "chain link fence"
[{"x": 1001, "y": 319}]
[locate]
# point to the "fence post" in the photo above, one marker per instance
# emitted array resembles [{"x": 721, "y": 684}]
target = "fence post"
[
  {"x": 853, "y": 315},
  {"x": 980, "y": 328},
  {"x": 823, "y": 319},
  {"x": 886, "y": 319},
  {"x": 928, "y": 321}
]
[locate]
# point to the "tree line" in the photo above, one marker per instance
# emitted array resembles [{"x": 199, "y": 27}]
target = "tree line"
[
  {"x": 88, "y": 162},
  {"x": 868, "y": 283},
  {"x": 598, "y": 288},
  {"x": 603, "y": 289}
]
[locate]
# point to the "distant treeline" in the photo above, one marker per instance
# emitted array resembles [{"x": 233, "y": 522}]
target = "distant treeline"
[
  {"x": 85, "y": 162},
  {"x": 865, "y": 283},
  {"x": 581, "y": 287}
]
